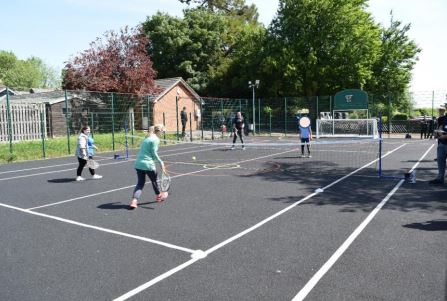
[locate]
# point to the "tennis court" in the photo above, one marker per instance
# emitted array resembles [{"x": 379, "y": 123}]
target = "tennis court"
[{"x": 254, "y": 224}]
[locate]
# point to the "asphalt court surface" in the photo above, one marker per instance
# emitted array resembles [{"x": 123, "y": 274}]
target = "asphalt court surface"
[{"x": 254, "y": 214}]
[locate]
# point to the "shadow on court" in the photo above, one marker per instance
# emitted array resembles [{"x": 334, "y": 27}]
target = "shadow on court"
[
  {"x": 62, "y": 180},
  {"x": 361, "y": 191},
  {"x": 434, "y": 225},
  {"x": 121, "y": 206}
]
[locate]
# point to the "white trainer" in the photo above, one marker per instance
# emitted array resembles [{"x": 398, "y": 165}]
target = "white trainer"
[
  {"x": 79, "y": 178},
  {"x": 96, "y": 177}
]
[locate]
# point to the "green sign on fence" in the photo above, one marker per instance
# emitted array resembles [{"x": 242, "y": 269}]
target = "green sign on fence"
[{"x": 351, "y": 99}]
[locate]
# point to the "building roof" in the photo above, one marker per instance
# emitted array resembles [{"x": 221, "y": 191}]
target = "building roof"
[
  {"x": 44, "y": 97},
  {"x": 167, "y": 84},
  {"x": 52, "y": 97},
  {"x": 3, "y": 92}
]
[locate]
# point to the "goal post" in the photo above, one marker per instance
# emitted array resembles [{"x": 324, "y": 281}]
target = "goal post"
[{"x": 361, "y": 128}]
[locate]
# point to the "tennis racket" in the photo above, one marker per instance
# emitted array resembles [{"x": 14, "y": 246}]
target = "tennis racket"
[
  {"x": 165, "y": 181},
  {"x": 92, "y": 164},
  {"x": 304, "y": 122}
]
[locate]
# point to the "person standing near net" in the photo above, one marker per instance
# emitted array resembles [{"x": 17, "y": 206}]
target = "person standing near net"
[
  {"x": 441, "y": 151},
  {"x": 305, "y": 135},
  {"x": 82, "y": 153},
  {"x": 184, "y": 120},
  {"x": 145, "y": 165},
  {"x": 238, "y": 126}
]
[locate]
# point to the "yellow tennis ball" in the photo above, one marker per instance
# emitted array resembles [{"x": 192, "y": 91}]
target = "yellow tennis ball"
[{"x": 193, "y": 157}]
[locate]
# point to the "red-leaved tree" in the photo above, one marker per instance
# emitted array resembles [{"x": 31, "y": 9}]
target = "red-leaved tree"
[{"x": 117, "y": 63}]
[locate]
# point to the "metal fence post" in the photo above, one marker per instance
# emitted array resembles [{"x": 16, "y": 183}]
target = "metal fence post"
[
  {"x": 317, "y": 113},
  {"x": 67, "y": 122},
  {"x": 190, "y": 126},
  {"x": 148, "y": 112},
  {"x": 201, "y": 117},
  {"x": 176, "y": 116},
  {"x": 8, "y": 112},
  {"x": 113, "y": 122},
  {"x": 212, "y": 126},
  {"x": 164, "y": 127},
  {"x": 285, "y": 116},
  {"x": 259, "y": 116},
  {"x": 92, "y": 126},
  {"x": 42, "y": 134}
]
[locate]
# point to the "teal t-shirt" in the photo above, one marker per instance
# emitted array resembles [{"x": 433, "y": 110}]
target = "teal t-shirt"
[{"x": 147, "y": 156}]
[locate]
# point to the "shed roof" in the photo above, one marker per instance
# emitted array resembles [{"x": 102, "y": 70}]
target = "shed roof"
[{"x": 45, "y": 97}]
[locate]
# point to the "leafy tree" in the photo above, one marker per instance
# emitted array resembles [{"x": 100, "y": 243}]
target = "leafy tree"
[
  {"x": 48, "y": 75},
  {"x": 25, "y": 74},
  {"x": 198, "y": 47},
  {"x": 392, "y": 69},
  {"x": 117, "y": 63},
  {"x": 7, "y": 61},
  {"x": 228, "y": 7},
  {"x": 22, "y": 76},
  {"x": 323, "y": 46}
]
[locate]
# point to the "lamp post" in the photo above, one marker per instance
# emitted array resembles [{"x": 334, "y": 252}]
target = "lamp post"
[{"x": 253, "y": 85}]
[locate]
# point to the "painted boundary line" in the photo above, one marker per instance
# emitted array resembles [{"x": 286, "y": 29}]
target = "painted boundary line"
[
  {"x": 339, "y": 252},
  {"x": 235, "y": 237},
  {"x": 176, "y": 176},
  {"x": 74, "y": 163},
  {"x": 168, "y": 245}
]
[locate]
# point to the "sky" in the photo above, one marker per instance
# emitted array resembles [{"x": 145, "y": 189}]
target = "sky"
[{"x": 56, "y": 30}]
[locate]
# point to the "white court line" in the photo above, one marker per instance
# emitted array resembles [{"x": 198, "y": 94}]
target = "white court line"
[
  {"x": 155, "y": 280},
  {"x": 44, "y": 167},
  {"x": 75, "y": 163},
  {"x": 231, "y": 239},
  {"x": 176, "y": 176},
  {"x": 54, "y": 171},
  {"x": 104, "y": 164},
  {"x": 333, "y": 259},
  {"x": 171, "y": 246}
]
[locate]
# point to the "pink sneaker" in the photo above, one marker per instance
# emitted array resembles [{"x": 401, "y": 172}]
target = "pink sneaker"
[
  {"x": 162, "y": 196},
  {"x": 133, "y": 204}
]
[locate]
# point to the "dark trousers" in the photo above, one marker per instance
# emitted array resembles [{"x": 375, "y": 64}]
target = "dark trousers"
[
  {"x": 239, "y": 133},
  {"x": 141, "y": 175},
  {"x": 305, "y": 141},
  {"x": 82, "y": 163},
  {"x": 183, "y": 128}
]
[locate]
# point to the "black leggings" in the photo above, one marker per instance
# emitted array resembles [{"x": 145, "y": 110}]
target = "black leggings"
[
  {"x": 239, "y": 133},
  {"x": 141, "y": 174},
  {"x": 82, "y": 163}
]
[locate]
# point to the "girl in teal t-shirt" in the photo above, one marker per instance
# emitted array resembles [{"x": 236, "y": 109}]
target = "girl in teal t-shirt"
[{"x": 145, "y": 165}]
